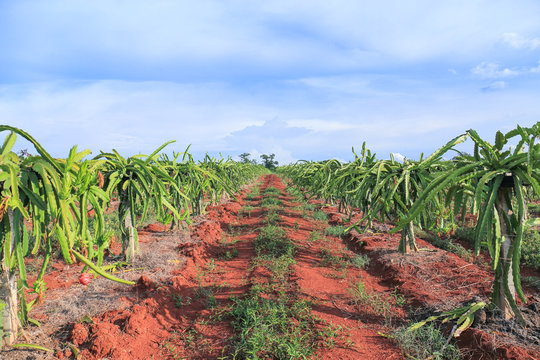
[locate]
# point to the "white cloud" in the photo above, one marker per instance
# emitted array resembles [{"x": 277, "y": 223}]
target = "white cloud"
[
  {"x": 130, "y": 117},
  {"x": 308, "y": 122},
  {"x": 519, "y": 42},
  {"x": 398, "y": 157},
  {"x": 496, "y": 85},
  {"x": 178, "y": 39},
  {"x": 488, "y": 70}
]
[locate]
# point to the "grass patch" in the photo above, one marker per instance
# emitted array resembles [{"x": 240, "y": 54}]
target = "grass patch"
[
  {"x": 335, "y": 231},
  {"x": 530, "y": 249},
  {"x": 253, "y": 194},
  {"x": 247, "y": 209},
  {"x": 229, "y": 254},
  {"x": 276, "y": 329},
  {"x": 329, "y": 259},
  {"x": 361, "y": 261},
  {"x": 273, "y": 241},
  {"x": 426, "y": 342},
  {"x": 362, "y": 298},
  {"x": 273, "y": 208},
  {"x": 272, "y": 218},
  {"x": 270, "y": 201},
  {"x": 308, "y": 207},
  {"x": 341, "y": 262},
  {"x": 319, "y": 215},
  {"x": 315, "y": 235},
  {"x": 280, "y": 268},
  {"x": 180, "y": 301},
  {"x": 271, "y": 191},
  {"x": 206, "y": 293}
]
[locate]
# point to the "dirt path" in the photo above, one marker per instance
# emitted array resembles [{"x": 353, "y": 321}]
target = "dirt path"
[
  {"x": 325, "y": 274},
  {"x": 325, "y": 284}
]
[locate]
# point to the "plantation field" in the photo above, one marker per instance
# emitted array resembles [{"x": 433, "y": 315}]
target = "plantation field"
[
  {"x": 272, "y": 275},
  {"x": 164, "y": 257}
]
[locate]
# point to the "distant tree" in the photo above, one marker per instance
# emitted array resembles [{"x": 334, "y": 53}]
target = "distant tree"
[
  {"x": 244, "y": 157},
  {"x": 269, "y": 162}
]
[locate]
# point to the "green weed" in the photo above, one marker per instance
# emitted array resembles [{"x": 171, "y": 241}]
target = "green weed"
[
  {"x": 270, "y": 201},
  {"x": 530, "y": 248},
  {"x": 276, "y": 329},
  {"x": 363, "y": 298},
  {"x": 271, "y": 191},
  {"x": 319, "y": 215},
  {"x": 229, "y": 254},
  {"x": 335, "y": 231},
  {"x": 274, "y": 242},
  {"x": 180, "y": 301},
  {"x": 247, "y": 209},
  {"x": 426, "y": 342},
  {"x": 399, "y": 298},
  {"x": 272, "y": 218},
  {"x": 361, "y": 261},
  {"x": 329, "y": 259},
  {"x": 315, "y": 235}
]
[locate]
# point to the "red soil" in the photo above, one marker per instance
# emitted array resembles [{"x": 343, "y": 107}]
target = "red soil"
[
  {"x": 441, "y": 280},
  {"x": 171, "y": 319}
]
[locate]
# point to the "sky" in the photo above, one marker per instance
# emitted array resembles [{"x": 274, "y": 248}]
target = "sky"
[{"x": 305, "y": 80}]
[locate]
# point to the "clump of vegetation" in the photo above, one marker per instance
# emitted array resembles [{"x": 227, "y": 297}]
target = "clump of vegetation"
[
  {"x": 273, "y": 241},
  {"x": 272, "y": 218},
  {"x": 229, "y": 254},
  {"x": 362, "y": 298},
  {"x": 270, "y": 201},
  {"x": 247, "y": 209},
  {"x": 426, "y": 342},
  {"x": 315, "y": 235},
  {"x": 308, "y": 207},
  {"x": 271, "y": 191},
  {"x": 329, "y": 259},
  {"x": 530, "y": 248},
  {"x": 276, "y": 329},
  {"x": 180, "y": 301},
  {"x": 319, "y": 215},
  {"x": 254, "y": 193},
  {"x": 336, "y": 231},
  {"x": 361, "y": 261}
]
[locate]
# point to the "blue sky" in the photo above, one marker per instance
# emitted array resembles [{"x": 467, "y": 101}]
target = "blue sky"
[{"x": 301, "y": 79}]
